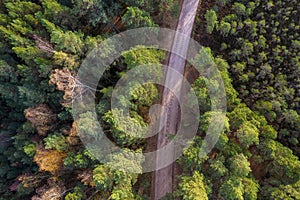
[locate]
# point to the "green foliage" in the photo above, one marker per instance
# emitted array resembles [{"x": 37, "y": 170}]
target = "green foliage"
[
  {"x": 93, "y": 12},
  {"x": 283, "y": 161},
  {"x": 57, "y": 142},
  {"x": 127, "y": 130},
  {"x": 211, "y": 20},
  {"x": 202, "y": 92},
  {"x": 30, "y": 149},
  {"x": 135, "y": 17},
  {"x": 231, "y": 93},
  {"x": 288, "y": 192},
  {"x": 268, "y": 132},
  {"x": 239, "y": 8},
  {"x": 247, "y": 134},
  {"x": 66, "y": 41},
  {"x": 222, "y": 141},
  {"x": 78, "y": 160},
  {"x": 193, "y": 155},
  {"x": 232, "y": 189},
  {"x": 210, "y": 120},
  {"x": 123, "y": 191},
  {"x": 145, "y": 94},
  {"x": 240, "y": 115},
  {"x": 251, "y": 188},
  {"x": 224, "y": 28},
  {"x": 77, "y": 194},
  {"x": 142, "y": 56},
  {"x": 112, "y": 177},
  {"x": 217, "y": 169},
  {"x": 240, "y": 165},
  {"x": 256, "y": 47},
  {"x": 103, "y": 177},
  {"x": 193, "y": 188},
  {"x": 18, "y": 9},
  {"x": 262, "y": 48}
]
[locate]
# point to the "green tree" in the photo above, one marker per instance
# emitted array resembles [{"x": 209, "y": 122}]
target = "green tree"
[
  {"x": 224, "y": 28},
  {"x": 211, "y": 20},
  {"x": 240, "y": 165},
  {"x": 248, "y": 134},
  {"x": 56, "y": 141},
  {"x": 232, "y": 189},
  {"x": 135, "y": 17},
  {"x": 251, "y": 188},
  {"x": 193, "y": 187}
]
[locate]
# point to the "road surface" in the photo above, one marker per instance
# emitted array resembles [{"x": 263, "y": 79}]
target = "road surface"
[{"x": 163, "y": 179}]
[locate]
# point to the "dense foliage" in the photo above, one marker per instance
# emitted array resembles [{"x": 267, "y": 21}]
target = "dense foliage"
[{"x": 255, "y": 46}]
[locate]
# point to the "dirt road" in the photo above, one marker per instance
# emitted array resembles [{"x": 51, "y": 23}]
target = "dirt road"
[{"x": 164, "y": 179}]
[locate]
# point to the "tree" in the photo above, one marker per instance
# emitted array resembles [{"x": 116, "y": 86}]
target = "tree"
[
  {"x": 56, "y": 141},
  {"x": 283, "y": 161},
  {"x": 92, "y": 12},
  {"x": 288, "y": 192},
  {"x": 49, "y": 160},
  {"x": 78, "y": 160},
  {"x": 126, "y": 130},
  {"x": 224, "y": 28},
  {"x": 211, "y": 20},
  {"x": 135, "y": 17},
  {"x": 193, "y": 188},
  {"x": 77, "y": 194},
  {"x": 30, "y": 149},
  {"x": 251, "y": 188},
  {"x": 191, "y": 159},
  {"x": 41, "y": 117},
  {"x": 142, "y": 55},
  {"x": 240, "y": 166},
  {"x": 265, "y": 108},
  {"x": 217, "y": 169},
  {"x": 232, "y": 189},
  {"x": 239, "y": 8},
  {"x": 248, "y": 134},
  {"x": 103, "y": 177},
  {"x": 66, "y": 41}
]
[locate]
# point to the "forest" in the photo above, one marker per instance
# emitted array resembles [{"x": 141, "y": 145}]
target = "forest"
[{"x": 255, "y": 45}]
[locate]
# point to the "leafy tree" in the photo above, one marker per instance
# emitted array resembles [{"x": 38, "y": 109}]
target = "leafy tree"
[
  {"x": 78, "y": 160},
  {"x": 191, "y": 156},
  {"x": 77, "y": 194},
  {"x": 248, "y": 134},
  {"x": 135, "y": 17},
  {"x": 103, "y": 177},
  {"x": 193, "y": 188},
  {"x": 211, "y": 20},
  {"x": 239, "y": 8},
  {"x": 286, "y": 191},
  {"x": 224, "y": 28},
  {"x": 251, "y": 188},
  {"x": 49, "y": 161},
  {"x": 126, "y": 129},
  {"x": 30, "y": 149},
  {"x": 240, "y": 165},
  {"x": 217, "y": 169},
  {"x": 232, "y": 189},
  {"x": 93, "y": 12},
  {"x": 283, "y": 161},
  {"x": 56, "y": 141}
]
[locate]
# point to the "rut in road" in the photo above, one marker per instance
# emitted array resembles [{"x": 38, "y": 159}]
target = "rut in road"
[{"x": 163, "y": 178}]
